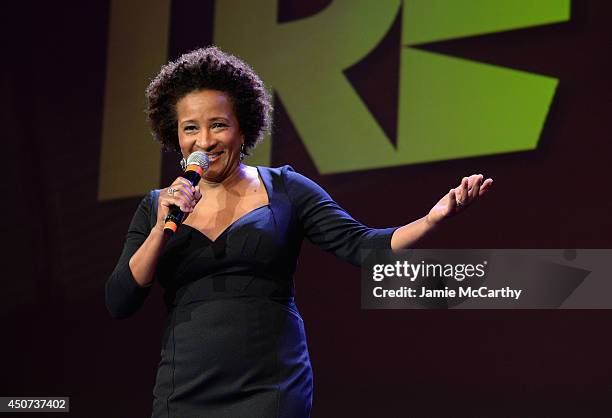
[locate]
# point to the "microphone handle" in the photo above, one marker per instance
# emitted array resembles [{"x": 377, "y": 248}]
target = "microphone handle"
[{"x": 176, "y": 215}]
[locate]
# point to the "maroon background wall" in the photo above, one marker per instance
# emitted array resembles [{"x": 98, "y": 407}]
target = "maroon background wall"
[{"x": 60, "y": 243}]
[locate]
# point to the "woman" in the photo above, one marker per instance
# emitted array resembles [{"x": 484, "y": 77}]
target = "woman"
[{"x": 234, "y": 343}]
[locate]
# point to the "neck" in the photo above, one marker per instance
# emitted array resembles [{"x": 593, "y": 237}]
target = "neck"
[{"x": 227, "y": 183}]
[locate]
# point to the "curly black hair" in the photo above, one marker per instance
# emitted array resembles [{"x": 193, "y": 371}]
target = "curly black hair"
[{"x": 208, "y": 68}]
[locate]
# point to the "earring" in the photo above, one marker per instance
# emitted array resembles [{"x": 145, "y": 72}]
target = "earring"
[
  {"x": 242, "y": 152},
  {"x": 183, "y": 163}
]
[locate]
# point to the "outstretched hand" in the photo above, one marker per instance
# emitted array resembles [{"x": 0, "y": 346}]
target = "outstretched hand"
[{"x": 459, "y": 198}]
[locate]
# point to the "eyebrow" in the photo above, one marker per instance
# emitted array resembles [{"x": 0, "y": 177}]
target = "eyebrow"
[{"x": 214, "y": 118}]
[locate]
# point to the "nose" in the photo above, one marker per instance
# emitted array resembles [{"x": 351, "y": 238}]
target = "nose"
[{"x": 206, "y": 142}]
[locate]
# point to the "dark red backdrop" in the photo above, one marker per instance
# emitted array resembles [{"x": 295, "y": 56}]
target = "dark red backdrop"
[{"x": 60, "y": 243}]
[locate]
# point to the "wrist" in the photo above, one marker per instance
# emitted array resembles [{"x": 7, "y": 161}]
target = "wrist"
[
  {"x": 430, "y": 224},
  {"x": 158, "y": 231}
]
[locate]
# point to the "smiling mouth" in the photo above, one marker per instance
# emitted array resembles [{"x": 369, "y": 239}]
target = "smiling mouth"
[{"x": 213, "y": 156}]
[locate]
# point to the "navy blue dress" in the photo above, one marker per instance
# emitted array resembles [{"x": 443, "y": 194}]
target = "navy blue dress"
[{"x": 234, "y": 343}]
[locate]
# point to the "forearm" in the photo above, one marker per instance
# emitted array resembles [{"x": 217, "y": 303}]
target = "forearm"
[
  {"x": 144, "y": 261},
  {"x": 408, "y": 235}
]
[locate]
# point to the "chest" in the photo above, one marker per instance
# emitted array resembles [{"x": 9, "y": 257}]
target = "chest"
[
  {"x": 214, "y": 214},
  {"x": 260, "y": 238}
]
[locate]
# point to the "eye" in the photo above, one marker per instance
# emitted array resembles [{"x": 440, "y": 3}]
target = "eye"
[
  {"x": 216, "y": 125},
  {"x": 190, "y": 128}
]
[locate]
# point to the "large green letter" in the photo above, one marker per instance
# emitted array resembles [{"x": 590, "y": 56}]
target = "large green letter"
[
  {"x": 449, "y": 107},
  {"x": 303, "y": 61}
]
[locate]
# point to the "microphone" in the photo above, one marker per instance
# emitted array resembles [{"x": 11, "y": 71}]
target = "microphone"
[{"x": 196, "y": 166}]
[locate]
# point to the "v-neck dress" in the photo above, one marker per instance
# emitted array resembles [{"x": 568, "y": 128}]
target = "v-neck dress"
[{"x": 233, "y": 342}]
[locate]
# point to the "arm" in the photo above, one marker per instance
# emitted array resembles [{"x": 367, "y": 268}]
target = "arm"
[
  {"x": 408, "y": 235},
  {"x": 124, "y": 294},
  {"x": 328, "y": 225},
  {"x": 129, "y": 284},
  {"x": 144, "y": 261},
  {"x": 453, "y": 202}
]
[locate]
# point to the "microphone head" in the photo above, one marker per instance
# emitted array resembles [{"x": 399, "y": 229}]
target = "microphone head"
[{"x": 198, "y": 158}]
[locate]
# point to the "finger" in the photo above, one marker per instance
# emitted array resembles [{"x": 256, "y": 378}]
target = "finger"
[
  {"x": 463, "y": 193},
  {"x": 179, "y": 182},
  {"x": 484, "y": 189},
  {"x": 468, "y": 195},
  {"x": 185, "y": 205},
  {"x": 179, "y": 198},
  {"x": 471, "y": 181},
  {"x": 177, "y": 201},
  {"x": 452, "y": 201},
  {"x": 184, "y": 186},
  {"x": 475, "y": 187},
  {"x": 198, "y": 193},
  {"x": 180, "y": 192},
  {"x": 486, "y": 186},
  {"x": 188, "y": 192},
  {"x": 184, "y": 182}
]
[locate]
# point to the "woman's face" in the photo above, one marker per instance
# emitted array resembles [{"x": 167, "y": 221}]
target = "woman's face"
[{"x": 206, "y": 122}]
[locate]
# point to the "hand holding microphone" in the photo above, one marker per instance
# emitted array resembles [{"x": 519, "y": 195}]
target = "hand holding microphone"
[{"x": 180, "y": 198}]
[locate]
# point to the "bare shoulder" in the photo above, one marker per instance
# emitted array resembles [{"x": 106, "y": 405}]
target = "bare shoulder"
[
  {"x": 255, "y": 184},
  {"x": 251, "y": 178},
  {"x": 251, "y": 173}
]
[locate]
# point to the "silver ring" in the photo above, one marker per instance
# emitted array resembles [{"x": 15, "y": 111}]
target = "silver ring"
[
  {"x": 171, "y": 191},
  {"x": 460, "y": 203}
]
